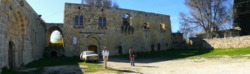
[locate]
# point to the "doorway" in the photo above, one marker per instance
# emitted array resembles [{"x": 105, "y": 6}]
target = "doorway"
[
  {"x": 152, "y": 47},
  {"x": 92, "y": 48},
  {"x": 159, "y": 46},
  {"x": 120, "y": 50},
  {"x": 10, "y": 55},
  {"x": 53, "y": 54}
]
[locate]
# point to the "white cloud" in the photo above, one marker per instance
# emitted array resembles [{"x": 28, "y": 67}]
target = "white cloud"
[{"x": 174, "y": 18}]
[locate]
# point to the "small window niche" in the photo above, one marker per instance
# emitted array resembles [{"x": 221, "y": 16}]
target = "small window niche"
[
  {"x": 162, "y": 27},
  {"x": 75, "y": 40},
  {"x": 146, "y": 26},
  {"x": 127, "y": 24}
]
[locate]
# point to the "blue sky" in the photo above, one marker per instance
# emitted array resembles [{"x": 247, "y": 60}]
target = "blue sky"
[{"x": 52, "y": 10}]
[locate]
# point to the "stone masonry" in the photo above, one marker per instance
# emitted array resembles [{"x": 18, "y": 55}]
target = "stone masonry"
[
  {"x": 146, "y": 31},
  {"x": 22, "y": 34},
  {"x": 230, "y": 42}
]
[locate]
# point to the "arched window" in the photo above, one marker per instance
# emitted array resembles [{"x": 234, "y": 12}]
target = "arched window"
[
  {"x": 100, "y": 21},
  {"x": 81, "y": 20},
  {"x": 104, "y": 21},
  {"x": 76, "y": 20}
]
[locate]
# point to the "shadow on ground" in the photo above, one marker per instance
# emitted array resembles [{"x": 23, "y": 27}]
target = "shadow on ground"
[
  {"x": 121, "y": 71},
  {"x": 53, "y": 65},
  {"x": 165, "y": 55}
]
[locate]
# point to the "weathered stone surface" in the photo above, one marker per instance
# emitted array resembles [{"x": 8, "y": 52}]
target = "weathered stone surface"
[
  {"x": 23, "y": 31},
  {"x": 230, "y": 42},
  {"x": 113, "y": 34}
]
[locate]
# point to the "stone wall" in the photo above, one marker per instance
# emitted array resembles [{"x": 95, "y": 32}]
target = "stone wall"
[
  {"x": 230, "y": 42},
  {"x": 178, "y": 41},
  {"x": 53, "y": 52},
  {"x": 113, "y": 35},
  {"x": 22, "y": 34}
]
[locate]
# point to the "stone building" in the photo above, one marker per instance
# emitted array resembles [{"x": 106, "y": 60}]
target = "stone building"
[
  {"x": 22, "y": 34},
  {"x": 92, "y": 28},
  {"x": 236, "y": 31}
]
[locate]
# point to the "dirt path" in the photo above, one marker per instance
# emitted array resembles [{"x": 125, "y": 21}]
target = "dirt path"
[{"x": 224, "y": 65}]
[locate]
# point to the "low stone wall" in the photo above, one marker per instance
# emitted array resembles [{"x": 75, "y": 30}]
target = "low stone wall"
[
  {"x": 49, "y": 51},
  {"x": 198, "y": 43},
  {"x": 230, "y": 42}
]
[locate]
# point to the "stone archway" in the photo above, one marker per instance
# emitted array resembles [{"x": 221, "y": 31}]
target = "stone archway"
[
  {"x": 50, "y": 30},
  {"x": 16, "y": 36},
  {"x": 95, "y": 42},
  {"x": 92, "y": 48},
  {"x": 53, "y": 54},
  {"x": 11, "y": 55}
]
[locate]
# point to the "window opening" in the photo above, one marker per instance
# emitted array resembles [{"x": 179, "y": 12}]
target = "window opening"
[
  {"x": 100, "y": 21},
  {"x": 81, "y": 20},
  {"x": 76, "y": 20},
  {"x": 104, "y": 21}
]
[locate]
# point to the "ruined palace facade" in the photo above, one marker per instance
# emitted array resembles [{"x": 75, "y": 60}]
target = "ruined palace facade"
[
  {"x": 22, "y": 34},
  {"x": 92, "y": 28}
]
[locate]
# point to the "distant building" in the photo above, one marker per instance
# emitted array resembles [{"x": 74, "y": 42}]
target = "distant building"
[{"x": 221, "y": 34}]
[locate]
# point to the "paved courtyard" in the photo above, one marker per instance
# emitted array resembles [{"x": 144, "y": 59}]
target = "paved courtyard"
[
  {"x": 224, "y": 65},
  {"x": 212, "y": 65}
]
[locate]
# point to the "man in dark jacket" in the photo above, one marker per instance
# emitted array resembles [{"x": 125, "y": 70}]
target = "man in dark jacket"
[{"x": 131, "y": 56}]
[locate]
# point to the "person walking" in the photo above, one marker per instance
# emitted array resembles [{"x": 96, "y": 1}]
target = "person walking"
[
  {"x": 131, "y": 56},
  {"x": 105, "y": 54}
]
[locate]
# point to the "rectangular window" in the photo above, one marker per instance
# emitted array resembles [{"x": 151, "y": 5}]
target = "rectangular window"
[
  {"x": 76, "y": 20},
  {"x": 81, "y": 20},
  {"x": 74, "y": 40}
]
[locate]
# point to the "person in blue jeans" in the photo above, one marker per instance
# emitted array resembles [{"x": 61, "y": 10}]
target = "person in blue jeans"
[{"x": 131, "y": 56}]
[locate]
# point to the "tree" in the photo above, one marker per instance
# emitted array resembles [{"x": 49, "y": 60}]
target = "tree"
[
  {"x": 104, "y": 3},
  {"x": 90, "y": 2},
  {"x": 115, "y": 5},
  {"x": 207, "y": 15},
  {"x": 107, "y": 3},
  {"x": 98, "y": 2},
  {"x": 242, "y": 15},
  {"x": 58, "y": 38}
]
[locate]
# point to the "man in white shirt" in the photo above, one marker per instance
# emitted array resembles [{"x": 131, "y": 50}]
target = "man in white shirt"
[{"x": 105, "y": 54}]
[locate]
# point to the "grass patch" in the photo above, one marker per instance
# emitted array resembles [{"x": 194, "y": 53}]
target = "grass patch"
[
  {"x": 45, "y": 62},
  {"x": 92, "y": 67},
  {"x": 5, "y": 70},
  {"x": 189, "y": 53},
  {"x": 54, "y": 61}
]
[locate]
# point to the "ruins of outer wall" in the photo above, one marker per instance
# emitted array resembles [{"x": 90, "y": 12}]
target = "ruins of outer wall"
[
  {"x": 22, "y": 34},
  {"x": 229, "y": 42},
  {"x": 113, "y": 36}
]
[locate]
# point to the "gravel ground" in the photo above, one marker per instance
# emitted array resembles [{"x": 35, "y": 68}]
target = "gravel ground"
[
  {"x": 214, "y": 65},
  {"x": 222, "y": 65}
]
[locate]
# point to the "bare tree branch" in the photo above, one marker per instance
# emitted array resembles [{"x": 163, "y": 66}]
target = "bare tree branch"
[{"x": 208, "y": 15}]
